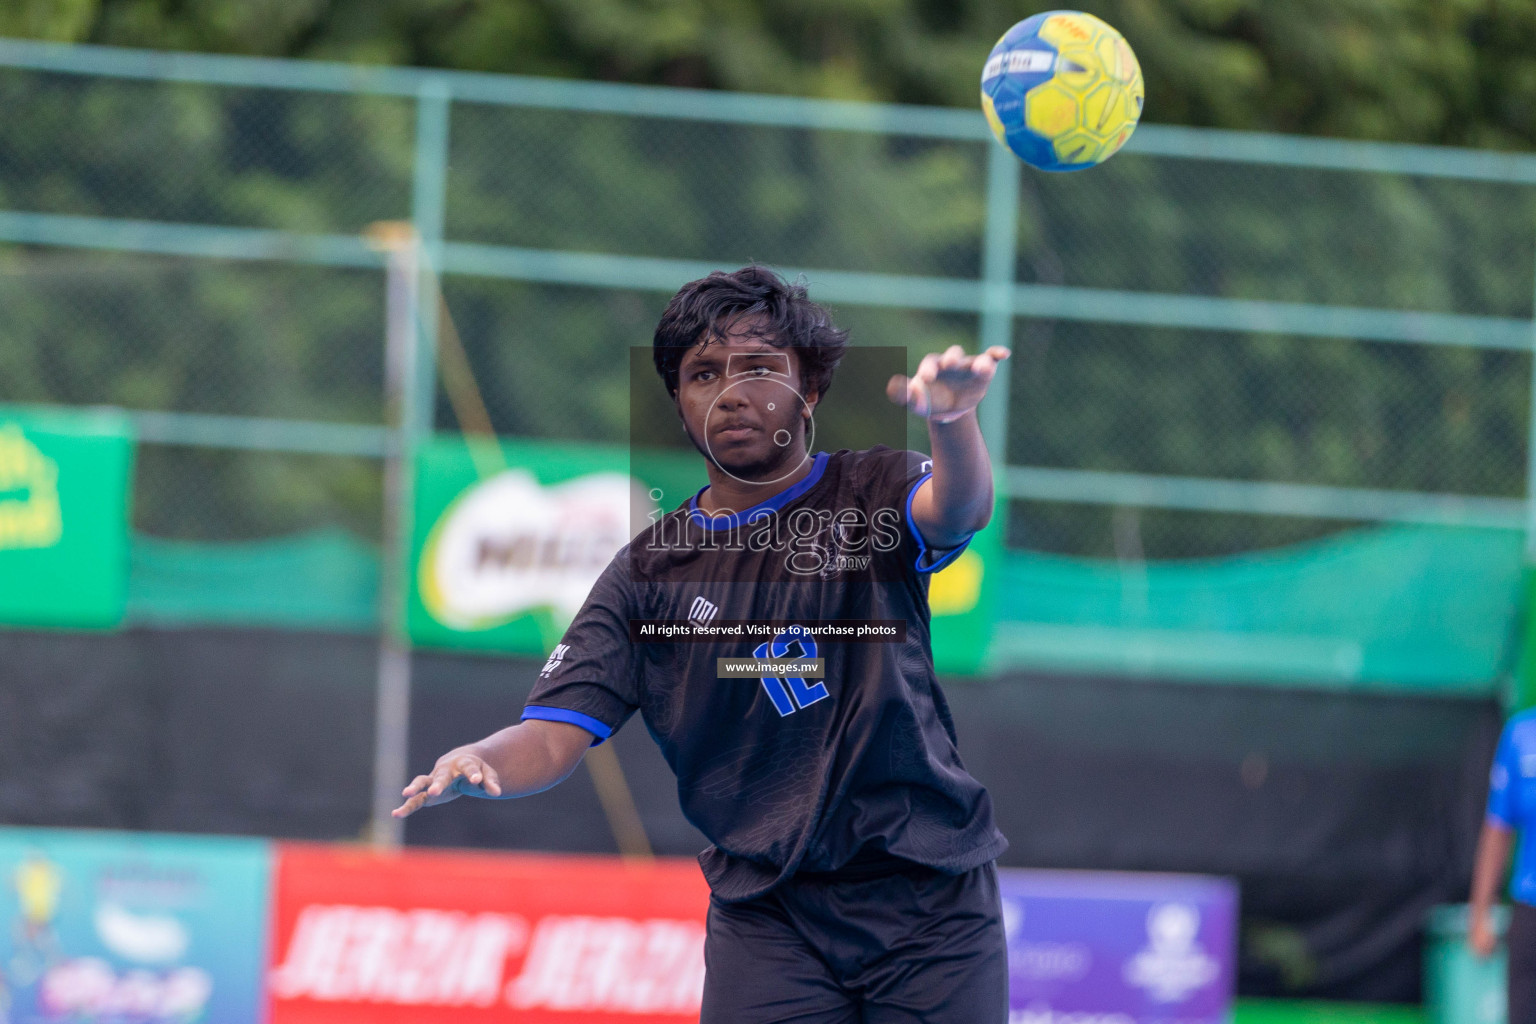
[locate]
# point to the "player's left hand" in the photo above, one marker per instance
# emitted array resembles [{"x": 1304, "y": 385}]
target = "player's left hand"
[
  {"x": 459, "y": 766},
  {"x": 947, "y": 385}
]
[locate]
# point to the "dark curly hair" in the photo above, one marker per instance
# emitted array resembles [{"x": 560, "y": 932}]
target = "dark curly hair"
[{"x": 784, "y": 312}]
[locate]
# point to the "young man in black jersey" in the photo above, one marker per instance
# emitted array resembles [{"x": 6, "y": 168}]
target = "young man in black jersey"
[{"x": 851, "y": 871}]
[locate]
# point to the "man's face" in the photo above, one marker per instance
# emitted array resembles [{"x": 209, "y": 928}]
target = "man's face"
[{"x": 742, "y": 404}]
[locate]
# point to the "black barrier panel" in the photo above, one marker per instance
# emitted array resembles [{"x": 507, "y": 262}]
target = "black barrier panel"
[
  {"x": 1344, "y": 816},
  {"x": 230, "y": 731},
  {"x": 460, "y": 698}
]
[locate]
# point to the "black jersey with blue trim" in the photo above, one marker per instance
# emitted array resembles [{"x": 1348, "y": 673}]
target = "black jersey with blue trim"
[{"x": 786, "y": 775}]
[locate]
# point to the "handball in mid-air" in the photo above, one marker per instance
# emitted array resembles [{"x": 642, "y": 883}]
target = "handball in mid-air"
[{"x": 1062, "y": 90}]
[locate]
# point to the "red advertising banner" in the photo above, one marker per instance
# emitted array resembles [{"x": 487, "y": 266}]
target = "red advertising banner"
[{"x": 424, "y": 937}]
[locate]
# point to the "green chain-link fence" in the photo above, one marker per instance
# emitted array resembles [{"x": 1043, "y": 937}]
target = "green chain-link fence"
[{"x": 1223, "y": 341}]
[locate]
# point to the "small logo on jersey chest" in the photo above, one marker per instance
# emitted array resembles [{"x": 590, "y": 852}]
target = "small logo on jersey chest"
[{"x": 702, "y": 610}]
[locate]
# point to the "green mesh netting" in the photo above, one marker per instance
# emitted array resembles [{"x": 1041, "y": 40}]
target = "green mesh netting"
[
  {"x": 1421, "y": 607},
  {"x": 1417, "y": 607},
  {"x": 325, "y": 580}
]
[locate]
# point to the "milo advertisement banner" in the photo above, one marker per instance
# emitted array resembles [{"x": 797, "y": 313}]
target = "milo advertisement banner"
[
  {"x": 112, "y": 928},
  {"x": 507, "y": 546},
  {"x": 64, "y": 482},
  {"x": 509, "y": 536}
]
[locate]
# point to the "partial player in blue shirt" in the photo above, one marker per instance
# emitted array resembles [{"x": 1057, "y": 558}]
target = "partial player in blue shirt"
[{"x": 1511, "y": 809}]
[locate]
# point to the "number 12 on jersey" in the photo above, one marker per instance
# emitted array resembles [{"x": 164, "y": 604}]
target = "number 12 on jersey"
[{"x": 779, "y": 690}]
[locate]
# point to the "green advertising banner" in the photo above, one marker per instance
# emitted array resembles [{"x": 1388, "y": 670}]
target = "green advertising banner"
[
  {"x": 508, "y": 538},
  {"x": 64, "y": 482}
]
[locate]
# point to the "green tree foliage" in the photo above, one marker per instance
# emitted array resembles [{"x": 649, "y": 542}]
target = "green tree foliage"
[
  {"x": 1456, "y": 72},
  {"x": 262, "y": 339}
]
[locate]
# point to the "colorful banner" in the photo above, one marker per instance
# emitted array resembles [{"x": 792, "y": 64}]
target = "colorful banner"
[
  {"x": 508, "y": 539},
  {"x": 1119, "y": 948},
  {"x": 64, "y": 518},
  {"x": 427, "y": 937},
  {"x": 113, "y": 928},
  {"x": 105, "y": 928}
]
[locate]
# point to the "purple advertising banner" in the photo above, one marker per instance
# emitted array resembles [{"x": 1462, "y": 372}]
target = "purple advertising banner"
[{"x": 1110, "y": 948}]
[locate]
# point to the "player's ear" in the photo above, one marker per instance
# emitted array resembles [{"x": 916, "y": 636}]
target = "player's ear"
[{"x": 810, "y": 400}]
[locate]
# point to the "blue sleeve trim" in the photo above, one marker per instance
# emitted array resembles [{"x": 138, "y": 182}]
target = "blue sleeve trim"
[
  {"x": 922, "y": 545},
  {"x": 599, "y": 731}
]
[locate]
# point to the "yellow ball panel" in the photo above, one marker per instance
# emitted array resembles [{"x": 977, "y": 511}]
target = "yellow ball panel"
[
  {"x": 1125, "y": 63},
  {"x": 1106, "y": 49},
  {"x": 1049, "y": 110},
  {"x": 1069, "y": 29},
  {"x": 996, "y": 123},
  {"x": 1078, "y": 147},
  {"x": 1085, "y": 57},
  {"x": 1100, "y": 109},
  {"x": 1132, "y": 104},
  {"x": 1113, "y": 145},
  {"x": 1098, "y": 24},
  {"x": 1077, "y": 68}
]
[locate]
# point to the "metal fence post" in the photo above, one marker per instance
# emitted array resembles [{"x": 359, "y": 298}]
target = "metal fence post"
[
  {"x": 1522, "y": 693},
  {"x": 415, "y": 254},
  {"x": 392, "y": 706},
  {"x": 1530, "y": 448},
  {"x": 998, "y": 258},
  {"x": 429, "y": 203}
]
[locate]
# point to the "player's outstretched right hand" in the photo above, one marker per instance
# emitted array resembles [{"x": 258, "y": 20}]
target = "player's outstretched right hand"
[{"x": 443, "y": 784}]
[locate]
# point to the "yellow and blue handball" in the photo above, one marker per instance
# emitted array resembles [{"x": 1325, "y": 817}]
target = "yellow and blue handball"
[{"x": 1062, "y": 90}]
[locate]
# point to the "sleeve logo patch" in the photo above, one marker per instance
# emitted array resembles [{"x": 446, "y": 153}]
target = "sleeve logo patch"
[{"x": 555, "y": 658}]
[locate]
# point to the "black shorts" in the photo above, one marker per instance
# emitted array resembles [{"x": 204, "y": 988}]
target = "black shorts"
[
  {"x": 913, "y": 947},
  {"x": 1520, "y": 940}
]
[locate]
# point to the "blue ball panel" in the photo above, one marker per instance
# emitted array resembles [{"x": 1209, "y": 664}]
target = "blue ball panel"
[
  {"x": 1058, "y": 168},
  {"x": 1017, "y": 84},
  {"x": 1032, "y": 149},
  {"x": 1025, "y": 30}
]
